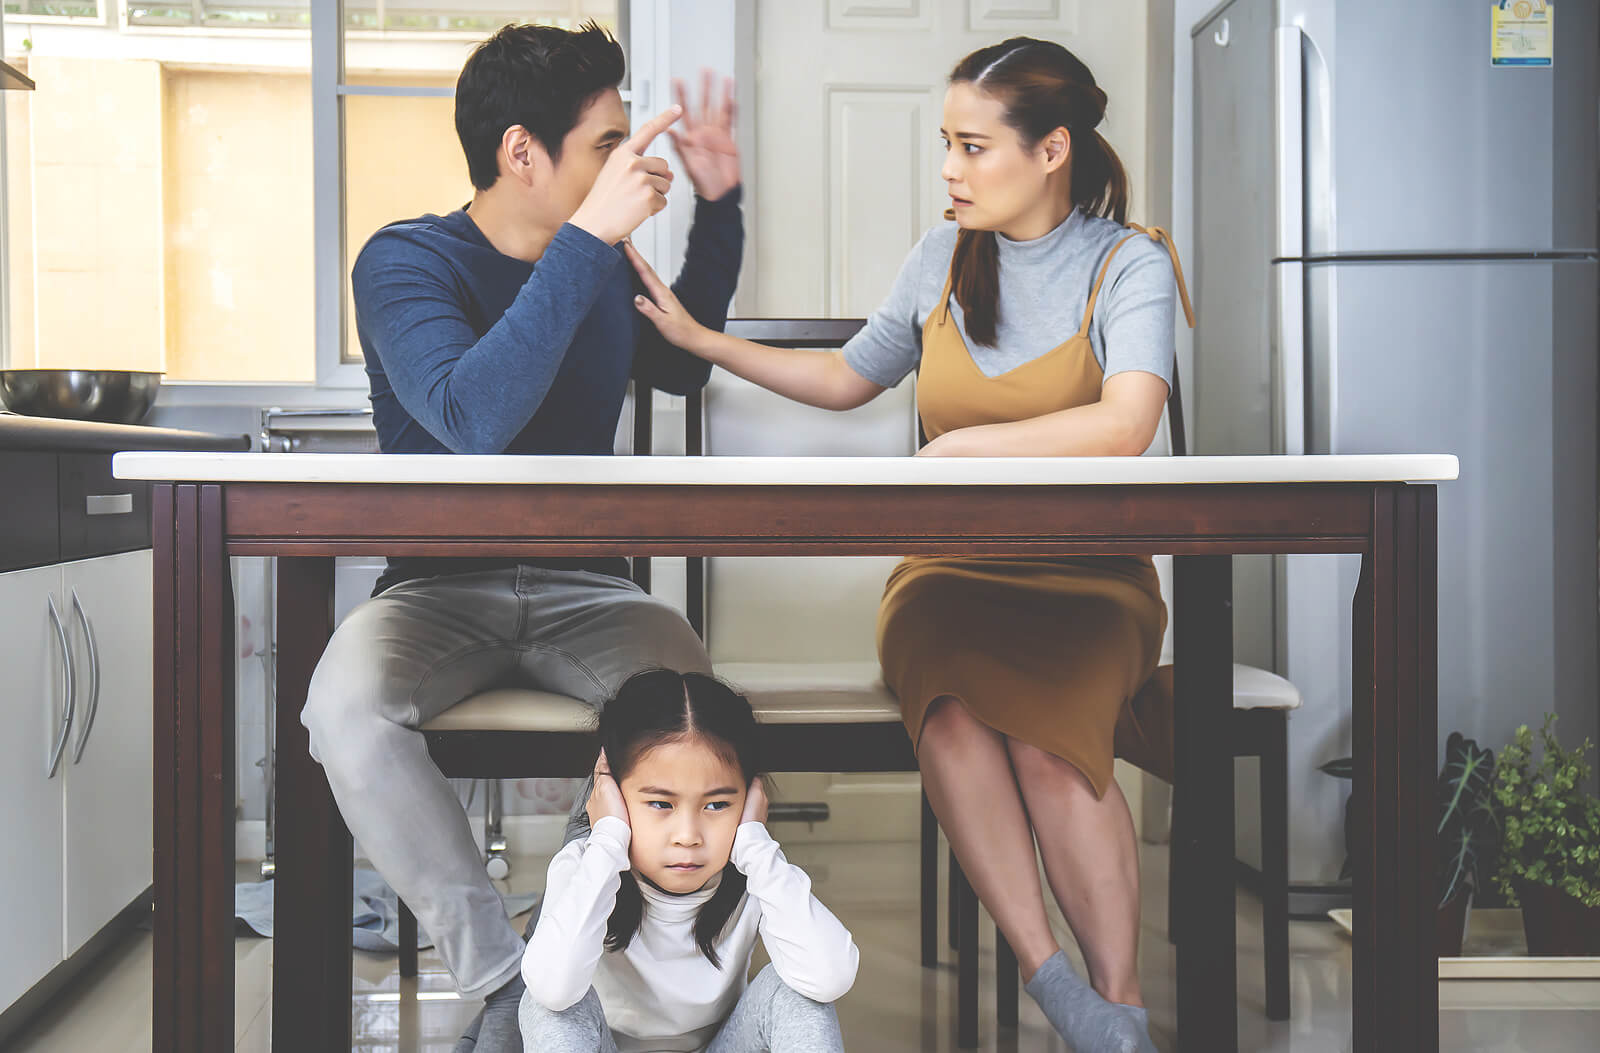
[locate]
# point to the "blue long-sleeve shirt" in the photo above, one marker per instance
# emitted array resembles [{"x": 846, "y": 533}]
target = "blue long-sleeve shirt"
[{"x": 472, "y": 351}]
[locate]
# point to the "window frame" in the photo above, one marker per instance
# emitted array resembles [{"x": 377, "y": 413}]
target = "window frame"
[
  {"x": 341, "y": 382},
  {"x": 105, "y": 12}
]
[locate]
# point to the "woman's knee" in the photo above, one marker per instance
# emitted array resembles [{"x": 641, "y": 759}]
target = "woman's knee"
[
  {"x": 1034, "y": 765},
  {"x": 947, "y": 722}
]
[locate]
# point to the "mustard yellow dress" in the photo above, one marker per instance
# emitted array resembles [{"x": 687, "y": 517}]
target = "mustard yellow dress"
[{"x": 1045, "y": 650}]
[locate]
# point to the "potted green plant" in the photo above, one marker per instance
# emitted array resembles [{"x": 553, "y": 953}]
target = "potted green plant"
[
  {"x": 1466, "y": 829},
  {"x": 1550, "y": 843},
  {"x": 1467, "y": 834}
]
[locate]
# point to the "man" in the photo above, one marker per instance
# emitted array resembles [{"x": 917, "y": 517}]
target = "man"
[{"x": 509, "y": 327}]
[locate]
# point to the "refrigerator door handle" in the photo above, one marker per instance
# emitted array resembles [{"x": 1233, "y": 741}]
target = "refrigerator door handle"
[
  {"x": 1289, "y": 359},
  {"x": 1289, "y": 122}
]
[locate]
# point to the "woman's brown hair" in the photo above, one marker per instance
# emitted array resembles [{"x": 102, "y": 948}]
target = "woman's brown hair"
[{"x": 1043, "y": 86}]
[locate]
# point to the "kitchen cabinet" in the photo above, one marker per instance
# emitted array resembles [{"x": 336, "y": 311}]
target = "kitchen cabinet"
[
  {"x": 78, "y": 829},
  {"x": 75, "y": 654},
  {"x": 32, "y": 655},
  {"x": 106, "y": 769}
]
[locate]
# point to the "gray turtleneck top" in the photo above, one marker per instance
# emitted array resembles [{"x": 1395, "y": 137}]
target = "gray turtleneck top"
[{"x": 1044, "y": 289}]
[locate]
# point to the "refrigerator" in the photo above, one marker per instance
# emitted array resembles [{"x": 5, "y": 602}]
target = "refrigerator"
[{"x": 1396, "y": 252}]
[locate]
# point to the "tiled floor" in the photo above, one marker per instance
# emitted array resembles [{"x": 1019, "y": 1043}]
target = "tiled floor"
[{"x": 896, "y": 1006}]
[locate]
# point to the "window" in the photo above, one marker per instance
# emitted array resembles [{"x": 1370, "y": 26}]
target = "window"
[
  {"x": 53, "y": 9},
  {"x": 190, "y": 238},
  {"x": 159, "y": 202}
]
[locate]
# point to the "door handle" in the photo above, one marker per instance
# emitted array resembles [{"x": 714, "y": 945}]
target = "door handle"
[
  {"x": 1289, "y": 125},
  {"x": 93, "y": 707},
  {"x": 67, "y": 685},
  {"x": 108, "y": 504}
]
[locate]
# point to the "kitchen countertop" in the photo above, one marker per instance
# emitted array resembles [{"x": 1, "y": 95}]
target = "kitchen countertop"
[
  {"x": 784, "y": 471},
  {"x": 51, "y": 435}
]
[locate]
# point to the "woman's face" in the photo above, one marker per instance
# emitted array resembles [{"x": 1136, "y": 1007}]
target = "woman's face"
[
  {"x": 995, "y": 183},
  {"x": 684, "y": 801}
]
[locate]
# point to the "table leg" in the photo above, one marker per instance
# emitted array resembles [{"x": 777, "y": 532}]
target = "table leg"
[
  {"x": 1396, "y": 663},
  {"x": 311, "y": 967},
  {"x": 1207, "y": 950},
  {"x": 192, "y": 972}
]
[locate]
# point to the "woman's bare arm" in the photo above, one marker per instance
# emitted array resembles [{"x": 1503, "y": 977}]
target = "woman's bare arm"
[{"x": 817, "y": 378}]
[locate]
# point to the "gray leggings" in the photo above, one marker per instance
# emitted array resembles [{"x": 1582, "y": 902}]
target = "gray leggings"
[{"x": 771, "y": 1017}]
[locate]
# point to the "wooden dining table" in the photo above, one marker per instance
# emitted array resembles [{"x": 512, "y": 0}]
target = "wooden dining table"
[{"x": 307, "y": 509}]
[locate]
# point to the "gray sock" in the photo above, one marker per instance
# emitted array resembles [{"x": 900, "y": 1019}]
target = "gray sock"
[
  {"x": 1078, "y": 1013},
  {"x": 1141, "y": 1018},
  {"x": 496, "y": 1029}
]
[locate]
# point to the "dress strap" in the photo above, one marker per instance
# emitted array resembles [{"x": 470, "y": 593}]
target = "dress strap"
[
  {"x": 1094, "y": 293},
  {"x": 1160, "y": 235}
]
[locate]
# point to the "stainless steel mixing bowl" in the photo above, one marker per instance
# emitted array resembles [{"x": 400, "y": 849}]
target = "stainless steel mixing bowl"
[{"x": 116, "y": 396}]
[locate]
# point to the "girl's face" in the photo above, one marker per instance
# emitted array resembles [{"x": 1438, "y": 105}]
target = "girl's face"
[
  {"x": 684, "y": 802},
  {"x": 995, "y": 182}
]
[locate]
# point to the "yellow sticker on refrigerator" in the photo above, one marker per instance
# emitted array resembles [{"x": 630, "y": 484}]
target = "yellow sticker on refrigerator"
[{"x": 1522, "y": 33}]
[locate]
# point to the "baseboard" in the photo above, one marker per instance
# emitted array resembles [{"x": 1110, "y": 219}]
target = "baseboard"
[
  {"x": 38, "y": 997},
  {"x": 1311, "y": 902},
  {"x": 529, "y": 835},
  {"x": 249, "y": 840}
]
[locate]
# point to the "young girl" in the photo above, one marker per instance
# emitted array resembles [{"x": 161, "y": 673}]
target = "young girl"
[
  {"x": 648, "y": 924},
  {"x": 1038, "y": 325}
]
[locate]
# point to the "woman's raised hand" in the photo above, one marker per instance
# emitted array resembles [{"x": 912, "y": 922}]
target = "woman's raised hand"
[
  {"x": 661, "y": 306},
  {"x": 606, "y": 796}
]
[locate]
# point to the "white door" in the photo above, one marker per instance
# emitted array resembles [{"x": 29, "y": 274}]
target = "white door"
[
  {"x": 848, "y": 103},
  {"x": 108, "y": 763},
  {"x": 35, "y": 697}
]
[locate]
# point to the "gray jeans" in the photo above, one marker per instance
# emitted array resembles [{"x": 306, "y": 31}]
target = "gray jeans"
[
  {"x": 402, "y": 658},
  {"x": 771, "y": 1017}
]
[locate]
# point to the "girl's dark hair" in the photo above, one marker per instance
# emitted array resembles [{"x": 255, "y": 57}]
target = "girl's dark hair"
[
  {"x": 1043, "y": 86},
  {"x": 539, "y": 77},
  {"x": 657, "y": 707}
]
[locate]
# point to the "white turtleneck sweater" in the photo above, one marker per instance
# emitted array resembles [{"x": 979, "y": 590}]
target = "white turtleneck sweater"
[{"x": 660, "y": 994}]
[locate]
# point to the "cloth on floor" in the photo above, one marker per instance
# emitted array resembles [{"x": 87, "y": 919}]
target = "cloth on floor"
[{"x": 374, "y": 911}]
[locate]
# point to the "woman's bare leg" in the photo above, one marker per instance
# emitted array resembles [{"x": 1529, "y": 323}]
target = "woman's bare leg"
[
  {"x": 1091, "y": 860},
  {"x": 966, "y": 771}
]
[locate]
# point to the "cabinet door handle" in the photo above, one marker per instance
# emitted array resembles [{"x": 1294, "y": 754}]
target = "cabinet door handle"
[
  {"x": 67, "y": 685},
  {"x": 108, "y": 504},
  {"x": 93, "y": 708}
]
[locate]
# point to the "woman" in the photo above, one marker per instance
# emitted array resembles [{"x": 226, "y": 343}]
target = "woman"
[{"x": 1039, "y": 326}]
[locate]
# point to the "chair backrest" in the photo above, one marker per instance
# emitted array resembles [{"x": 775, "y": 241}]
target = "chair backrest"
[
  {"x": 797, "y": 609},
  {"x": 1169, "y": 441},
  {"x": 789, "y": 609}
]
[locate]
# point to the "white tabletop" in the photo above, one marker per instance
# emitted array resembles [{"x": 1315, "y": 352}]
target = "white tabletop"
[{"x": 791, "y": 471}]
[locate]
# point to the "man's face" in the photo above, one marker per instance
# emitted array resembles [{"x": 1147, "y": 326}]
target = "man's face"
[{"x": 602, "y": 125}]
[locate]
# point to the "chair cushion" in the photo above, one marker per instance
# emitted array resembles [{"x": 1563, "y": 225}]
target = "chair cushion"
[
  {"x": 814, "y": 692},
  {"x": 1255, "y": 688},
  {"x": 515, "y": 709},
  {"x": 780, "y": 693}
]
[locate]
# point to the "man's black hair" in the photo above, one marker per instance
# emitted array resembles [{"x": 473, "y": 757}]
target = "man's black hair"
[{"x": 539, "y": 77}]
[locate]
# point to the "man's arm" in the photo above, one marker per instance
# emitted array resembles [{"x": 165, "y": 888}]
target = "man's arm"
[
  {"x": 474, "y": 394},
  {"x": 705, "y": 287}
]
